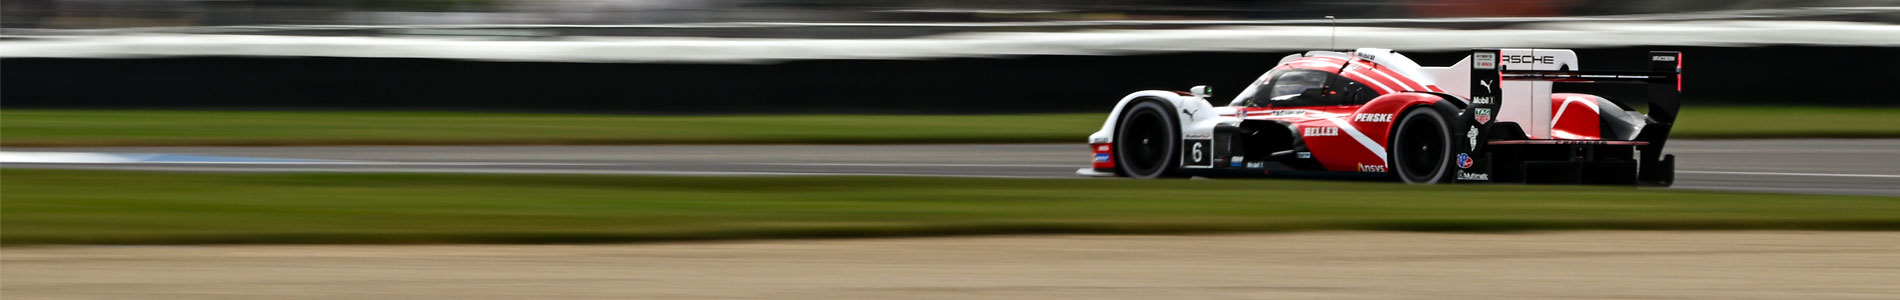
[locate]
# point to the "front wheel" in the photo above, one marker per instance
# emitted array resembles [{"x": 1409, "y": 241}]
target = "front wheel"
[
  {"x": 1145, "y": 141},
  {"x": 1421, "y": 147}
]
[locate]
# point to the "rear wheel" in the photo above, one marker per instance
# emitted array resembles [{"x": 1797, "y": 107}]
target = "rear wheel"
[
  {"x": 1421, "y": 147},
  {"x": 1145, "y": 141}
]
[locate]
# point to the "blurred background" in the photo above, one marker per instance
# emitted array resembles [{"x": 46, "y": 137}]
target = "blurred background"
[
  {"x": 859, "y": 56},
  {"x": 238, "y": 122},
  {"x": 81, "y": 14}
]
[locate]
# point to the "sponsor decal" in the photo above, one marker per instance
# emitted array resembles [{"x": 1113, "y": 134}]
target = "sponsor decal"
[
  {"x": 1285, "y": 113},
  {"x": 1662, "y": 58},
  {"x": 1198, "y": 135},
  {"x": 1256, "y": 164},
  {"x": 1524, "y": 59},
  {"x": 1363, "y": 55},
  {"x": 1322, "y": 131},
  {"x": 1304, "y": 154},
  {"x": 1383, "y": 118},
  {"x": 1483, "y": 100},
  {"x": 1190, "y": 113},
  {"x": 1486, "y": 84},
  {"x": 1473, "y": 136},
  {"x": 1484, "y": 60},
  {"x": 1473, "y": 176},
  {"x": 1197, "y": 153},
  {"x": 1483, "y": 115},
  {"x": 1101, "y": 157},
  {"x": 1372, "y": 168},
  {"x": 1237, "y": 161},
  {"x": 1464, "y": 161}
]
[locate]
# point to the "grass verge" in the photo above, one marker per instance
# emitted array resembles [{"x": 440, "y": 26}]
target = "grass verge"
[
  {"x": 119, "y": 207},
  {"x": 1788, "y": 122},
  {"x": 165, "y": 128}
]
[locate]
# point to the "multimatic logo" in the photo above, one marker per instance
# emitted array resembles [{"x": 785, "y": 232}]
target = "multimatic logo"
[
  {"x": 1473, "y": 176},
  {"x": 1385, "y": 118},
  {"x": 1526, "y": 59},
  {"x": 1322, "y": 131}
]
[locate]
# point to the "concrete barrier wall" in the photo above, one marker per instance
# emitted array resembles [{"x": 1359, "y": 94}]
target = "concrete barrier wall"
[
  {"x": 1775, "y": 75},
  {"x": 1727, "y": 62}
]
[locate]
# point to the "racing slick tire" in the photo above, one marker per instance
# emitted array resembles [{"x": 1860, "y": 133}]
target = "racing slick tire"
[
  {"x": 1422, "y": 147},
  {"x": 1145, "y": 139}
]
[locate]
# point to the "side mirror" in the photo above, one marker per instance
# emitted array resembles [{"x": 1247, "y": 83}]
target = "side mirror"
[{"x": 1205, "y": 92}]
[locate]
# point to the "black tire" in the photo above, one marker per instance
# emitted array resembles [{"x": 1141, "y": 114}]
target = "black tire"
[
  {"x": 1421, "y": 148},
  {"x": 1145, "y": 141}
]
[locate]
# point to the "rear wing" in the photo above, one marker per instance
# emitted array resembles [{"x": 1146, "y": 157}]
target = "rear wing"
[{"x": 1523, "y": 78}]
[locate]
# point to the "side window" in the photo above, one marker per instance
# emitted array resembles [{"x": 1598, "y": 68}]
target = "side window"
[
  {"x": 1289, "y": 88},
  {"x": 1289, "y": 85},
  {"x": 1352, "y": 92}
]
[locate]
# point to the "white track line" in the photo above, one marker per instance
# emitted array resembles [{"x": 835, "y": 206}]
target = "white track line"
[
  {"x": 912, "y": 165},
  {"x": 1791, "y": 174},
  {"x": 400, "y": 163},
  {"x": 211, "y": 168}
]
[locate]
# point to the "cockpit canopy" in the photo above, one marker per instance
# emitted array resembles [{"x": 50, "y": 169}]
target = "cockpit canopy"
[{"x": 1291, "y": 83}]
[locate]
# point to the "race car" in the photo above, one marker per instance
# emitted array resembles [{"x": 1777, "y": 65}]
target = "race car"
[{"x": 1491, "y": 117}]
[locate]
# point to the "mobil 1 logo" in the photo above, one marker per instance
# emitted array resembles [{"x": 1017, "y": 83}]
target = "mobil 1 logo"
[{"x": 1198, "y": 153}]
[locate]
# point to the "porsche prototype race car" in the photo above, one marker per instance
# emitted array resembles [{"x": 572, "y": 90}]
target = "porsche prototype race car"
[{"x": 1491, "y": 117}]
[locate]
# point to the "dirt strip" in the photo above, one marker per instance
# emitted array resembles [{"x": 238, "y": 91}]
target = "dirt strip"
[{"x": 1327, "y": 265}]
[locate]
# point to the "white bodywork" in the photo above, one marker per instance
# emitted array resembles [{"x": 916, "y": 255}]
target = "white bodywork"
[
  {"x": 1196, "y": 115},
  {"x": 1534, "y": 117}
]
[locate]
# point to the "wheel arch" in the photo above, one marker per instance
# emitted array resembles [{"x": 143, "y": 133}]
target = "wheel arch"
[
  {"x": 1447, "y": 107},
  {"x": 1169, "y": 99},
  {"x": 1401, "y": 103}
]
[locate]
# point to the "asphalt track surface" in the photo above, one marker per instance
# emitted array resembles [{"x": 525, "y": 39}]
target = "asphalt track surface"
[
  {"x": 1829, "y": 166},
  {"x": 1317, "y": 265}
]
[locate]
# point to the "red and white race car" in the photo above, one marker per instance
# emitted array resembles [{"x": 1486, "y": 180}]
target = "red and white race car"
[{"x": 1374, "y": 112}]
